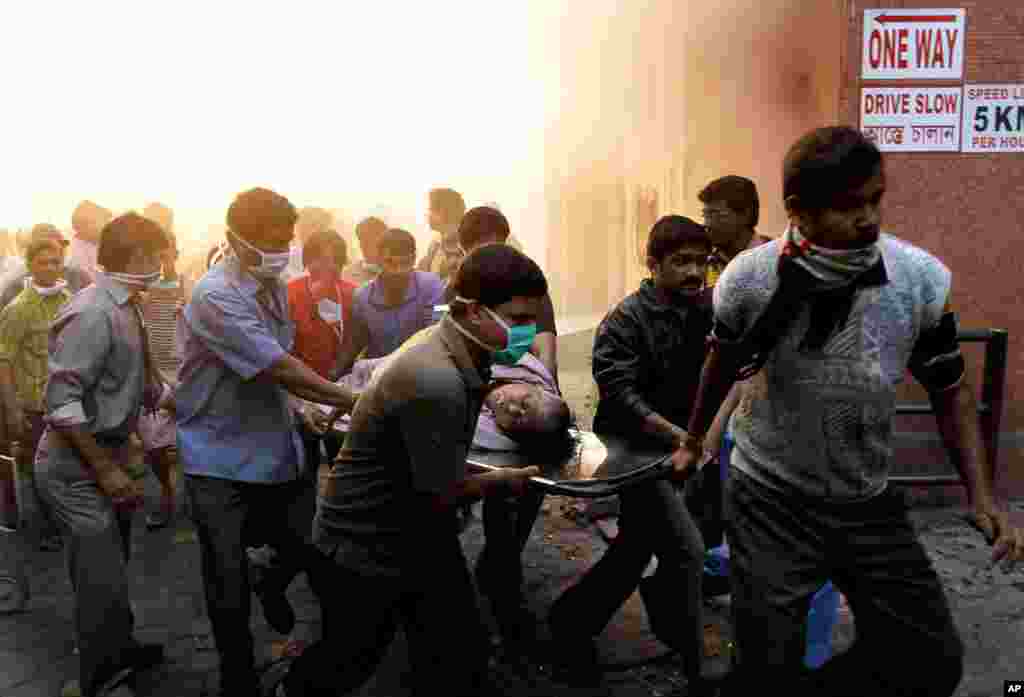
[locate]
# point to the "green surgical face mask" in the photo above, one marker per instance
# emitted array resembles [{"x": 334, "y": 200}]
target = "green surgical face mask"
[{"x": 518, "y": 339}]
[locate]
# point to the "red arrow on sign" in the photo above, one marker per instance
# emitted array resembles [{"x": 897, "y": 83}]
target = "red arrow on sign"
[{"x": 883, "y": 18}]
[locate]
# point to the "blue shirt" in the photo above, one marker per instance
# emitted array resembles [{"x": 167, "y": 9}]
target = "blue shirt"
[
  {"x": 385, "y": 327},
  {"x": 234, "y": 423}
]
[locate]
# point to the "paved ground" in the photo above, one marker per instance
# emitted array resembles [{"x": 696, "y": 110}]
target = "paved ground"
[{"x": 36, "y": 649}]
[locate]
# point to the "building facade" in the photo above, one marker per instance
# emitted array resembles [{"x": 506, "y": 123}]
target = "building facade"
[{"x": 657, "y": 101}]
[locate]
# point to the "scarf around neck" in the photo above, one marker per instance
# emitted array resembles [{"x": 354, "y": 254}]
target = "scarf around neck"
[{"x": 831, "y": 267}]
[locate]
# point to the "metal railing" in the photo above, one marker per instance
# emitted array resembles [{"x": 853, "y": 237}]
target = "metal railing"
[{"x": 990, "y": 407}]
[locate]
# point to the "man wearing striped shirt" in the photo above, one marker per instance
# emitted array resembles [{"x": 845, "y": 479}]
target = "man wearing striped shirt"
[{"x": 162, "y": 304}]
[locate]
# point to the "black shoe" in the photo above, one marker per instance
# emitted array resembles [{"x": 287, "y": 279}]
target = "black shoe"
[
  {"x": 576, "y": 659},
  {"x": 713, "y": 586},
  {"x": 703, "y": 687},
  {"x": 278, "y": 611},
  {"x": 146, "y": 656}
]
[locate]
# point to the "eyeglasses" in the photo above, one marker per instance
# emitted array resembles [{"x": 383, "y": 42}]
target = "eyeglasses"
[{"x": 715, "y": 213}]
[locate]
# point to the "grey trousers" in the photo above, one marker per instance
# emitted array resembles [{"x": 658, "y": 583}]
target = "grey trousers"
[
  {"x": 783, "y": 547},
  {"x": 97, "y": 547}
]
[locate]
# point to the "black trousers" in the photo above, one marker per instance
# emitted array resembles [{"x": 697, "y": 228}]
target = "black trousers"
[
  {"x": 784, "y": 547},
  {"x": 653, "y": 522},
  {"x": 434, "y": 604},
  {"x": 499, "y": 570},
  {"x": 228, "y": 515}
]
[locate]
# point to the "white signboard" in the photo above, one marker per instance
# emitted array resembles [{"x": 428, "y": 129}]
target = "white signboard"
[
  {"x": 994, "y": 118},
  {"x": 912, "y": 119},
  {"x": 913, "y": 44}
]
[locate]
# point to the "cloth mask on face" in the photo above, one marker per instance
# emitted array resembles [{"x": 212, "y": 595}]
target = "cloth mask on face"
[
  {"x": 52, "y": 290},
  {"x": 135, "y": 280},
  {"x": 272, "y": 264},
  {"x": 833, "y": 267}
]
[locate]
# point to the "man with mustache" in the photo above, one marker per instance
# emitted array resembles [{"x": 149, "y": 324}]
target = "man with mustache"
[
  {"x": 827, "y": 320},
  {"x": 648, "y": 353}
]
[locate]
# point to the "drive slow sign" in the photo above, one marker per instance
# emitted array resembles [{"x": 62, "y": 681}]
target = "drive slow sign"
[
  {"x": 912, "y": 119},
  {"x": 913, "y": 44},
  {"x": 993, "y": 118}
]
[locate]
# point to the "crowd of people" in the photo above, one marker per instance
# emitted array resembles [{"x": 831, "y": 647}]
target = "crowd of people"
[{"x": 321, "y": 409}]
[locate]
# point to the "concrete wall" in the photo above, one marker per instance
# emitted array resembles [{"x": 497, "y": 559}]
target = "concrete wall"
[{"x": 656, "y": 100}]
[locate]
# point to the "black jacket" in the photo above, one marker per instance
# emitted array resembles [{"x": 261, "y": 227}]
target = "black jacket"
[{"x": 648, "y": 357}]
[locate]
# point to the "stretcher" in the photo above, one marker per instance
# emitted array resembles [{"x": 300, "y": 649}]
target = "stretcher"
[
  {"x": 592, "y": 466},
  {"x": 595, "y": 466}
]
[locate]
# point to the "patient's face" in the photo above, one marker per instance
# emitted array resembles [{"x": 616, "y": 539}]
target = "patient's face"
[{"x": 517, "y": 407}]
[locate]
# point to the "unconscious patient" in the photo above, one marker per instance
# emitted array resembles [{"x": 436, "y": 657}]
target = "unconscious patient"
[{"x": 522, "y": 410}]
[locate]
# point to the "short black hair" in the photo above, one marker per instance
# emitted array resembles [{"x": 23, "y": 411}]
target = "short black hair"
[
  {"x": 398, "y": 241},
  {"x": 257, "y": 209},
  {"x": 483, "y": 223},
  {"x": 373, "y": 224},
  {"x": 827, "y": 162},
  {"x": 40, "y": 245},
  {"x": 496, "y": 273},
  {"x": 449, "y": 203},
  {"x": 125, "y": 234},
  {"x": 738, "y": 193},
  {"x": 672, "y": 232},
  {"x": 325, "y": 242}
]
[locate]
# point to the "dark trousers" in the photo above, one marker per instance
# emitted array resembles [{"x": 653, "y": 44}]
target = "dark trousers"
[
  {"x": 653, "y": 522},
  {"x": 499, "y": 570},
  {"x": 784, "y": 547},
  {"x": 704, "y": 501},
  {"x": 434, "y": 604},
  {"x": 228, "y": 515}
]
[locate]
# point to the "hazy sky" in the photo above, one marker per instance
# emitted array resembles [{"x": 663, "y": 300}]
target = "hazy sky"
[{"x": 342, "y": 104}]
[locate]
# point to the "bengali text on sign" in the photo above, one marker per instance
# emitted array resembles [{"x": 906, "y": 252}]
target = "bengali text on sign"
[{"x": 912, "y": 119}]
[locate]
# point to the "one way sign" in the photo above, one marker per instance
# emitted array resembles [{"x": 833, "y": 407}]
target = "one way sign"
[{"x": 913, "y": 44}]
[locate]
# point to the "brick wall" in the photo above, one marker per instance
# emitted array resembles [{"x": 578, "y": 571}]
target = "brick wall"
[{"x": 966, "y": 208}]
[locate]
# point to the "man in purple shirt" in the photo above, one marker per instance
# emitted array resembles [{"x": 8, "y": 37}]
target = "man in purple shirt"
[{"x": 392, "y": 307}]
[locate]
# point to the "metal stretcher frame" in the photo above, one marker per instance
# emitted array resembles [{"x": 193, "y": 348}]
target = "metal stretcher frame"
[
  {"x": 597, "y": 466},
  {"x": 990, "y": 407},
  {"x": 611, "y": 464}
]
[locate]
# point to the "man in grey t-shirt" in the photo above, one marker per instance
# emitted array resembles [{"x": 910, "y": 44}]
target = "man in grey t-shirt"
[
  {"x": 827, "y": 321},
  {"x": 386, "y": 522}
]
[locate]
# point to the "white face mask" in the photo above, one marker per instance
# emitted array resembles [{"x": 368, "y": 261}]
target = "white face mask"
[
  {"x": 52, "y": 290},
  {"x": 272, "y": 264},
  {"x": 329, "y": 311},
  {"x": 136, "y": 280}
]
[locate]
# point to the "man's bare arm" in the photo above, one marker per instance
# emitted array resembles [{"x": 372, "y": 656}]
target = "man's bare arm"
[
  {"x": 713, "y": 438},
  {"x": 716, "y": 380},
  {"x": 956, "y": 413},
  {"x": 302, "y": 381},
  {"x": 509, "y": 482}
]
